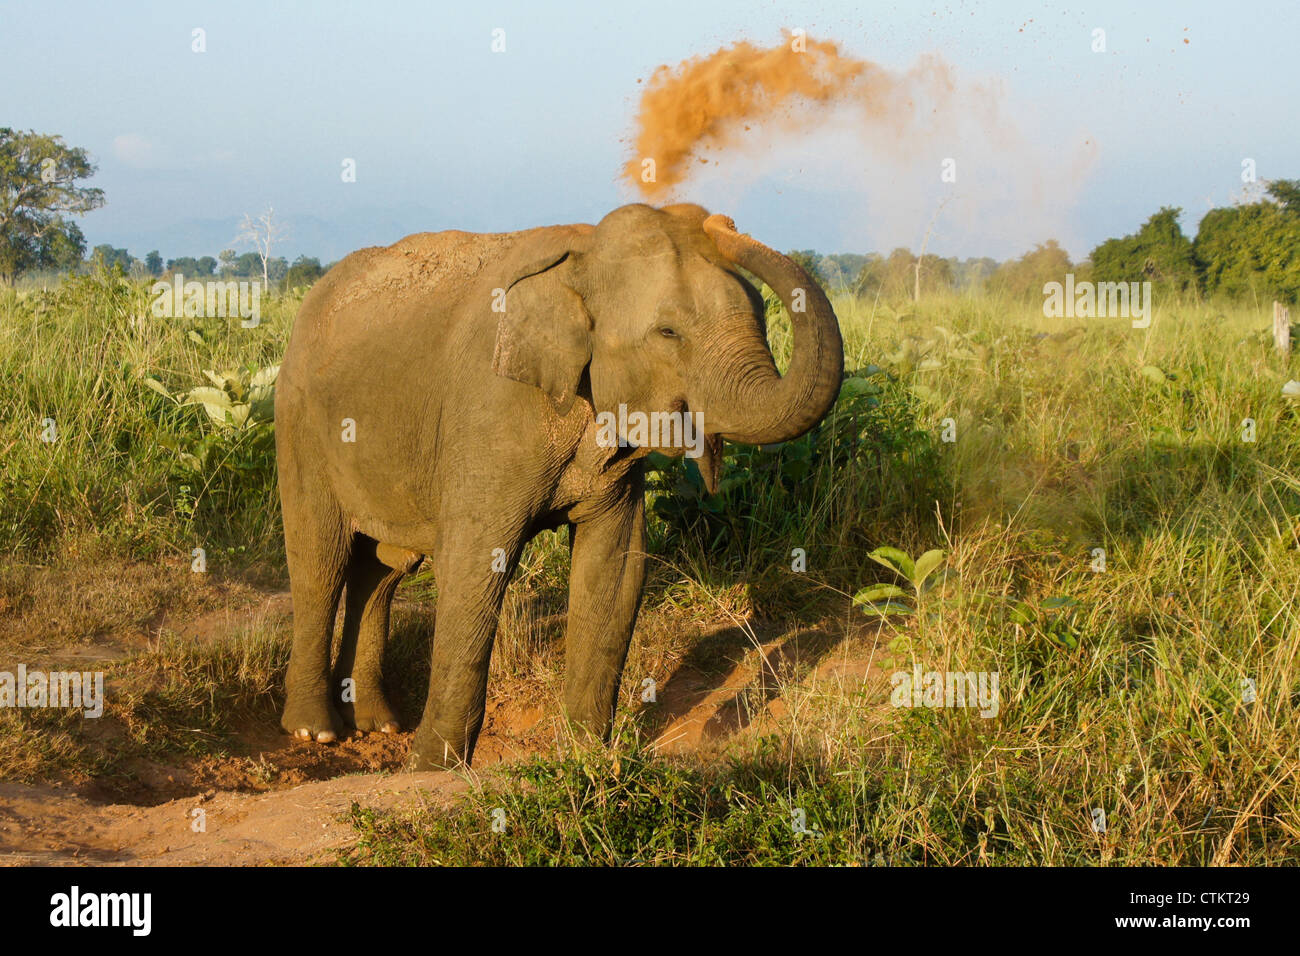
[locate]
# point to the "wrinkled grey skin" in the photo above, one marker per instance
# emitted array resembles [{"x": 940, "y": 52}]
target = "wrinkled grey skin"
[{"x": 472, "y": 416}]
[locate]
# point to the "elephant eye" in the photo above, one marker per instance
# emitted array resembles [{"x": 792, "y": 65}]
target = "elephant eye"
[{"x": 668, "y": 333}]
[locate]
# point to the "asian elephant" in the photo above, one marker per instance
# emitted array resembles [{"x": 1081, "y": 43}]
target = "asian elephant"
[{"x": 440, "y": 398}]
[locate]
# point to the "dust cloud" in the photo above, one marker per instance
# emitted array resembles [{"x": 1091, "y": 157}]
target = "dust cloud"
[{"x": 897, "y": 149}]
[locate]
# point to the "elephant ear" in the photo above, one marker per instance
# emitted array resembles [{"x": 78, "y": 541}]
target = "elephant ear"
[{"x": 544, "y": 333}]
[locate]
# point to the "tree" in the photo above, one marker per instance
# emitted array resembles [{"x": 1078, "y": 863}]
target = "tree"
[
  {"x": 932, "y": 274},
  {"x": 1025, "y": 277},
  {"x": 922, "y": 261},
  {"x": 1286, "y": 193},
  {"x": 1158, "y": 252},
  {"x": 895, "y": 278},
  {"x": 264, "y": 233},
  {"x": 110, "y": 257},
  {"x": 38, "y": 176},
  {"x": 154, "y": 263},
  {"x": 194, "y": 268},
  {"x": 66, "y": 248},
  {"x": 888, "y": 278},
  {"x": 227, "y": 259},
  {"x": 841, "y": 269},
  {"x": 303, "y": 272},
  {"x": 809, "y": 260},
  {"x": 1253, "y": 249},
  {"x": 973, "y": 272}
]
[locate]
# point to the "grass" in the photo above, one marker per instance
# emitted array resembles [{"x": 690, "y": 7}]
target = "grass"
[
  {"x": 1121, "y": 546},
  {"x": 77, "y": 356},
  {"x": 177, "y": 699}
]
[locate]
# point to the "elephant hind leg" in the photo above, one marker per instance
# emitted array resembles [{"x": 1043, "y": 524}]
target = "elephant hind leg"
[
  {"x": 317, "y": 543},
  {"x": 373, "y": 573}
]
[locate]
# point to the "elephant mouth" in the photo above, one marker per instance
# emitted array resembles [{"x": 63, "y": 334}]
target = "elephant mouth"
[
  {"x": 710, "y": 462},
  {"x": 676, "y": 433},
  {"x": 709, "y": 456}
]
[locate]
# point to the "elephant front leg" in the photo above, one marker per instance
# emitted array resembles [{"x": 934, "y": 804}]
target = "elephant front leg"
[
  {"x": 608, "y": 572},
  {"x": 471, "y": 586}
]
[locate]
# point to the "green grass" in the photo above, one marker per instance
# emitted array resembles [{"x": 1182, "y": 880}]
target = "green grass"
[
  {"x": 1070, "y": 436},
  {"x": 179, "y": 699},
  {"x": 117, "y": 472}
]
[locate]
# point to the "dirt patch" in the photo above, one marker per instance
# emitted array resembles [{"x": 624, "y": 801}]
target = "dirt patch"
[
  {"x": 105, "y": 610},
  {"x": 268, "y": 798},
  {"x": 263, "y": 759},
  {"x": 304, "y": 824}
]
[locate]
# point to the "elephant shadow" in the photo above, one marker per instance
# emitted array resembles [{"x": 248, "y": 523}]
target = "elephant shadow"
[
  {"x": 532, "y": 628},
  {"x": 728, "y": 679},
  {"x": 736, "y": 670}
]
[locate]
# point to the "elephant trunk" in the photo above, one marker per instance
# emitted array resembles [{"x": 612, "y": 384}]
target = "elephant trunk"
[{"x": 768, "y": 407}]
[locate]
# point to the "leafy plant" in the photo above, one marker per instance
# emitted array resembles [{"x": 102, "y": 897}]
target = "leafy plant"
[
  {"x": 230, "y": 456},
  {"x": 887, "y": 598},
  {"x": 231, "y": 402}
]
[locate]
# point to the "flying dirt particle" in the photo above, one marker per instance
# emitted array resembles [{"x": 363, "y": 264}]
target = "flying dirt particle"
[
  {"x": 710, "y": 101},
  {"x": 875, "y": 135},
  {"x": 702, "y": 101}
]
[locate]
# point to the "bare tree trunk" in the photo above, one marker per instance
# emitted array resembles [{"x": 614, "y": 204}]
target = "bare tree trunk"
[
  {"x": 1281, "y": 328},
  {"x": 264, "y": 233},
  {"x": 925, "y": 241}
]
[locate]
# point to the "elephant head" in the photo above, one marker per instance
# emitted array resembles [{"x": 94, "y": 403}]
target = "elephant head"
[{"x": 650, "y": 312}]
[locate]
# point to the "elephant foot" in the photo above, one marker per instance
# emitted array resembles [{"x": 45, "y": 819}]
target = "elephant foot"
[
  {"x": 592, "y": 725},
  {"x": 370, "y": 712},
  {"x": 430, "y": 751},
  {"x": 311, "y": 719}
]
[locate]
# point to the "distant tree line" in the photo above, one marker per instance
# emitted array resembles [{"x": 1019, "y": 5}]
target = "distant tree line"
[
  {"x": 894, "y": 276},
  {"x": 39, "y": 194},
  {"x": 1250, "y": 249},
  {"x": 303, "y": 271},
  {"x": 1247, "y": 250}
]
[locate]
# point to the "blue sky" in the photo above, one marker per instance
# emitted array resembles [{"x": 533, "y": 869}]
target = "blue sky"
[{"x": 447, "y": 134}]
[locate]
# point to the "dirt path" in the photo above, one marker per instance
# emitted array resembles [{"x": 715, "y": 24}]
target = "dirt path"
[{"x": 49, "y": 826}]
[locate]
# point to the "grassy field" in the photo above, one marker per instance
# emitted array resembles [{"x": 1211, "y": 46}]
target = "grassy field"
[{"x": 1156, "y": 679}]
